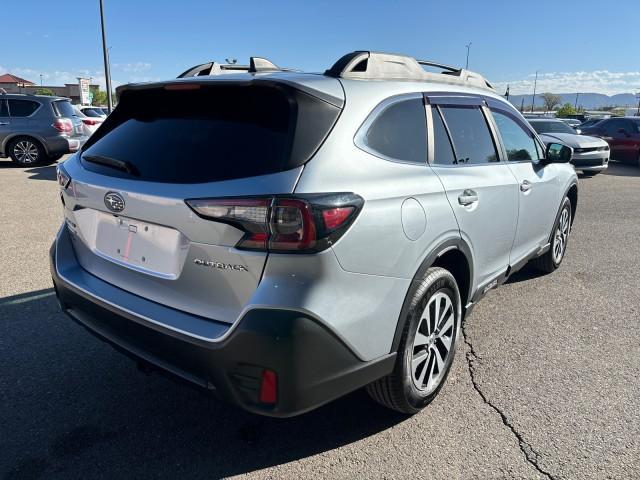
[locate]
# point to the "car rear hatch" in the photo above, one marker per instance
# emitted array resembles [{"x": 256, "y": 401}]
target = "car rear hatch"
[
  {"x": 132, "y": 189},
  {"x": 67, "y": 120}
]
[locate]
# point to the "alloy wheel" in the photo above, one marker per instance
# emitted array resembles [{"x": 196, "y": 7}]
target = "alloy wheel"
[
  {"x": 26, "y": 152},
  {"x": 432, "y": 343},
  {"x": 561, "y": 235}
]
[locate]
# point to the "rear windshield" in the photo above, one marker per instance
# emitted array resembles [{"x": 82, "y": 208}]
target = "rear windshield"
[
  {"x": 63, "y": 108},
  {"x": 211, "y": 133}
]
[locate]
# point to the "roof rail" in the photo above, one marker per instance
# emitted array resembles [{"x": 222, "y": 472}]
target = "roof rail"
[
  {"x": 366, "y": 65},
  {"x": 256, "y": 65}
]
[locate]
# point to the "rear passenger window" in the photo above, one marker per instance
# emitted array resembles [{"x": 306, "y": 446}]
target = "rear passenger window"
[
  {"x": 443, "y": 152},
  {"x": 22, "y": 108},
  {"x": 399, "y": 132},
  {"x": 519, "y": 143},
  {"x": 4, "y": 112},
  {"x": 470, "y": 135}
]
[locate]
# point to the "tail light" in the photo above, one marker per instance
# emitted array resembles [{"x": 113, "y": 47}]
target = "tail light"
[
  {"x": 63, "y": 177},
  {"x": 65, "y": 181},
  {"x": 63, "y": 125},
  {"x": 285, "y": 224},
  {"x": 88, "y": 121}
]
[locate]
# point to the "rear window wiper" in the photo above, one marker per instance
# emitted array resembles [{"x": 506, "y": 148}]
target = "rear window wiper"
[{"x": 113, "y": 163}]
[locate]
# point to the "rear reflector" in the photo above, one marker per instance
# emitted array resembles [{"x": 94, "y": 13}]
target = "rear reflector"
[
  {"x": 301, "y": 224},
  {"x": 334, "y": 217},
  {"x": 269, "y": 387}
]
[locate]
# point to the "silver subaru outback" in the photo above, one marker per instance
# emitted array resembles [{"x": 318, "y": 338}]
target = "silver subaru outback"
[{"x": 283, "y": 238}]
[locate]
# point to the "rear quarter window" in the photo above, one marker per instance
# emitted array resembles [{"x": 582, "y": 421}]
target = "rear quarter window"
[{"x": 397, "y": 132}]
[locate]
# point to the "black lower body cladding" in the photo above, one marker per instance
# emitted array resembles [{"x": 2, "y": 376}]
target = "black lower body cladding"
[{"x": 311, "y": 364}]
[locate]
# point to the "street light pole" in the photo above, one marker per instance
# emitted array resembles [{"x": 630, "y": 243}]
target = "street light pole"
[
  {"x": 535, "y": 84},
  {"x": 105, "y": 53},
  {"x": 576, "y": 105},
  {"x": 40, "y": 79},
  {"x": 468, "y": 45}
]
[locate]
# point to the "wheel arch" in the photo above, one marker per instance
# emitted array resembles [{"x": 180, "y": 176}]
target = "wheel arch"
[
  {"x": 12, "y": 137},
  {"x": 453, "y": 255}
]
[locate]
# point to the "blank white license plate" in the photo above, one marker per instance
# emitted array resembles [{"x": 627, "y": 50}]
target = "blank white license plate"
[{"x": 142, "y": 246}]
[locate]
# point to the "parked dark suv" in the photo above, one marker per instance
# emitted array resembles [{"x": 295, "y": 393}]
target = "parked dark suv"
[
  {"x": 38, "y": 129},
  {"x": 622, "y": 135}
]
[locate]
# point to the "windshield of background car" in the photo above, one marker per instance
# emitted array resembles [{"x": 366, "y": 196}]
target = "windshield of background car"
[{"x": 552, "y": 127}]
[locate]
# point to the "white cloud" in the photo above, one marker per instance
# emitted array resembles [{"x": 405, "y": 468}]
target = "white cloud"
[
  {"x": 135, "y": 67},
  {"x": 597, "y": 81}
]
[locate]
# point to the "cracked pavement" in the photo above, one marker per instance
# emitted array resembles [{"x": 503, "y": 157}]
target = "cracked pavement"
[{"x": 545, "y": 384}]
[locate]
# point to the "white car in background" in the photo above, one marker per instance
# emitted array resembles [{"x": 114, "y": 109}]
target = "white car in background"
[
  {"x": 590, "y": 154},
  {"x": 89, "y": 124},
  {"x": 93, "y": 112}
]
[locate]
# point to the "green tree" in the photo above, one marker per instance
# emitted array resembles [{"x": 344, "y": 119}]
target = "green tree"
[
  {"x": 44, "y": 91},
  {"x": 550, "y": 100},
  {"x": 565, "y": 110},
  {"x": 99, "y": 97}
]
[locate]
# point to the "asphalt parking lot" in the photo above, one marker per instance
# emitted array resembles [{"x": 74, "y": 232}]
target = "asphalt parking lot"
[{"x": 545, "y": 386}]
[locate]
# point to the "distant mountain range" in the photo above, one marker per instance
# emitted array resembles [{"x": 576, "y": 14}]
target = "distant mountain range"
[{"x": 587, "y": 101}]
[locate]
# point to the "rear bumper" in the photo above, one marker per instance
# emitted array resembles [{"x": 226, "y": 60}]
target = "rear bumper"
[
  {"x": 61, "y": 144},
  {"x": 312, "y": 365}
]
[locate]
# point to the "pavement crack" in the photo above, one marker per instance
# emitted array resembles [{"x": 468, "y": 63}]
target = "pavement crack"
[{"x": 530, "y": 454}]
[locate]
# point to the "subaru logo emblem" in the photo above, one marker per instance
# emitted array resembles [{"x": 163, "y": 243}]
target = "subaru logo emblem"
[{"x": 114, "y": 202}]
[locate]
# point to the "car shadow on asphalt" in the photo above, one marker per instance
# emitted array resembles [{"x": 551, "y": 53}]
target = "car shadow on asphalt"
[
  {"x": 622, "y": 170},
  {"x": 528, "y": 272},
  {"x": 75, "y": 407},
  {"x": 42, "y": 173}
]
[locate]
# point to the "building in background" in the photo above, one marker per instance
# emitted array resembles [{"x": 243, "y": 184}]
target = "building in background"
[{"x": 13, "y": 84}]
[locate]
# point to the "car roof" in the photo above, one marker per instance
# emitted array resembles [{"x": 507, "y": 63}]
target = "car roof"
[
  {"x": 376, "y": 72},
  {"x": 27, "y": 96}
]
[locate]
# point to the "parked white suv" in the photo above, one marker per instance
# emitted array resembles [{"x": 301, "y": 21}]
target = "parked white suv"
[{"x": 284, "y": 238}]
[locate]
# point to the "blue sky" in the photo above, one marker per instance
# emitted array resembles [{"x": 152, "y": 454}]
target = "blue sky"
[{"x": 576, "y": 45}]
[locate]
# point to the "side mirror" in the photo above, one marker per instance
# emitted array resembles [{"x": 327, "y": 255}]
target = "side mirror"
[{"x": 557, "y": 153}]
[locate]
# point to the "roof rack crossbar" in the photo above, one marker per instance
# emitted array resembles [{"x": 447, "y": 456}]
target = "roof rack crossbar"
[{"x": 366, "y": 65}]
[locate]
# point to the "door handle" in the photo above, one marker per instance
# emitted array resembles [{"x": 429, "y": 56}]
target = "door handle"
[
  {"x": 525, "y": 186},
  {"x": 4, "y": 123},
  {"x": 467, "y": 197}
]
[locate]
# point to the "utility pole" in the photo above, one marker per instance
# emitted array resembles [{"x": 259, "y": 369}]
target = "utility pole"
[
  {"x": 576, "y": 105},
  {"x": 468, "y": 45},
  {"x": 107, "y": 73},
  {"x": 535, "y": 84}
]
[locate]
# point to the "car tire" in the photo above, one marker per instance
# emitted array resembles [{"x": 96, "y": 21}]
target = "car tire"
[
  {"x": 433, "y": 321},
  {"x": 551, "y": 260},
  {"x": 26, "y": 152}
]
